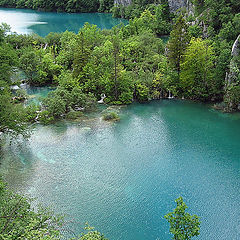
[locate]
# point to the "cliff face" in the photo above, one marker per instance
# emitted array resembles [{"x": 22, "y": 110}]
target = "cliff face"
[
  {"x": 232, "y": 75},
  {"x": 173, "y": 4},
  {"x": 122, "y": 2},
  {"x": 236, "y": 47},
  {"x": 176, "y": 4}
]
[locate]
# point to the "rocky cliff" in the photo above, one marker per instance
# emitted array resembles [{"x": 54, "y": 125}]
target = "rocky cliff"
[
  {"x": 173, "y": 4},
  {"x": 176, "y": 4},
  {"x": 233, "y": 71},
  {"x": 122, "y": 2}
]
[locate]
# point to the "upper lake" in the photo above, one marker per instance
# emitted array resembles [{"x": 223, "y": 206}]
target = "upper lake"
[
  {"x": 124, "y": 177},
  {"x": 29, "y": 21}
]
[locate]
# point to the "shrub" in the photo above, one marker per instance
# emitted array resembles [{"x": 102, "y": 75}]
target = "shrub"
[
  {"x": 232, "y": 98},
  {"x": 55, "y": 106},
  {"x": 31, "y": 112},
  {"x": 73, "y": 115},
  {"x": 111, "y": 116},
  {"x": 45, "y": 118}
]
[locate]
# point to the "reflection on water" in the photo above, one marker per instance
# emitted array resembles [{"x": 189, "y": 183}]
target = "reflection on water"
[
  {"x": 29, "y": 21},
  {"x": 19, "y": 21},
  {"x": 123, "y": 178}
]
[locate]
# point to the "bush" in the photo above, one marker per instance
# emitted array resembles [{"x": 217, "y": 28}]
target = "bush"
[
  {"x": 232, "y": 98},
  {"x": 73, "y": 115},
  {"x": 20, "y": 96},
  {"x": 21, "y": 93},
  {"x": 142, "y": 92},
  {"x": 45, "y": 118},
  {"x": 111, "y": 116},
  {"x": 56, "y": 106},
  {"x": 19, "y": 220},
  {"x": 31, "y": 112},
  {"x": 220, "y": 106}
]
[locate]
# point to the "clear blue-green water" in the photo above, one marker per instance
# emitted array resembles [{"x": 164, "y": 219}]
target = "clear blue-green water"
[
  {"x": 36, "y": 94},
  {"x": 123, "y": 178},
  {"x": 30, "y": 21}
]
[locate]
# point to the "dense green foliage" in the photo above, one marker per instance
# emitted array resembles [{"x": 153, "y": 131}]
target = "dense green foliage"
[
  {"x": 218, "y": 21},
  {"x": 63, "y": 101},
  {"x": 161, "y": 24},
  {"x": 138, "y": 6},
  {"x": 119, "y": 63},
  {"x": 128, "y": 63},
  {"x": 183, "y": 226},
  {"x": 13, "y": 119},
  {"x": 56, "y": 5},
  {"x": 197, "y": 71},
  {"x": 19, "y": 220},
  {"x": 178, "y": 42}
]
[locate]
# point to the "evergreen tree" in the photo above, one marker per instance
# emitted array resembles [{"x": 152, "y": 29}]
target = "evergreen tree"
[
  {"x": 116, "y": 49},
  {"x": 179, "y": 39},
  {"x": 81, "y": 54}
]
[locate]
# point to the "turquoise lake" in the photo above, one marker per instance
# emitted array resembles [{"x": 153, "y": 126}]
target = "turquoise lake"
[
  {"x": 30, "y": 21},
  {"x": 124, "y": 177}
]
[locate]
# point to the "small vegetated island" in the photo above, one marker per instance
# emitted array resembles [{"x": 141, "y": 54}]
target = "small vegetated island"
[{"x": 200, "y": 61}]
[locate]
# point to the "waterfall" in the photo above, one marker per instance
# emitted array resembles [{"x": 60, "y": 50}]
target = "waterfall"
[
  {"x": 102, "y": 98},
  {"x": 170, "y": 96}
]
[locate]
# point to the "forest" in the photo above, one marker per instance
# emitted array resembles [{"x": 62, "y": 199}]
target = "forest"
[
  {"x": 56, "y": 5},
  {"x": 127, "y": 63}
]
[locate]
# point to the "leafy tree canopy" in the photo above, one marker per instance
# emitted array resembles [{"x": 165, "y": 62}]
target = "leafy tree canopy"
[{"x": 183, "y": 226}]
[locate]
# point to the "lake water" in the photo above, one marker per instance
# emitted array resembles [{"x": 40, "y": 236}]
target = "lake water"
[
  {"x": 42, "y": 23},
  {"x": 124, "y": 177}
]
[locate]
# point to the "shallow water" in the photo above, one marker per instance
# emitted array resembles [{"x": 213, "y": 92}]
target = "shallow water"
[
  {"x": 36, "y": 94},
  {"x": 123, "y": 178},
  {"x": 30, "y": 21}
]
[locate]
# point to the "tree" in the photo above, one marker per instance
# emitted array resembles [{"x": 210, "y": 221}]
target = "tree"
[
  {"x": 8, "y": 60},
  {"x": 13, "y": 119},
  {"x": 47, "y": 70},
  {"x": 165, "y": 80},
  {"x": 197, "y": 74},
  {"x": 4, "y": 29},
  {"x": 12, "y": 116},
  {"x": 91, "y": 234},
  {"x": 53, "y": 40},
  {"x": 116, "y": 50},
  {"x": 81, "y": 54},
  {"x": 142, "y": 92},
  {"x": 183, "y": 225},
  {"x": 28, "y": 62},
  {"x": 178, "y": 42},
  {"x": 232, "y": 98},
  {"x": 18, "y": 220},
  {"x": 163, "y": 25},
  {"x": 68, "y": 44}
]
